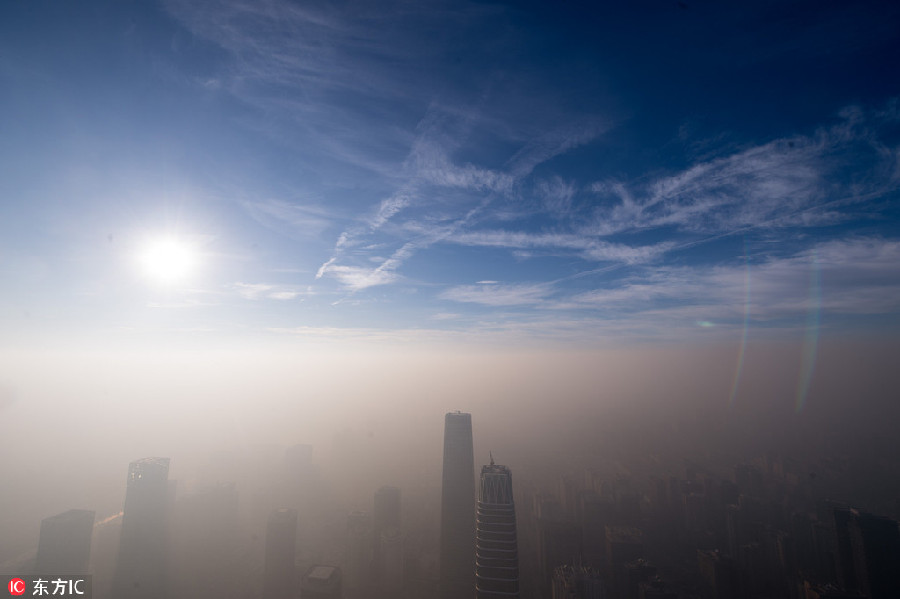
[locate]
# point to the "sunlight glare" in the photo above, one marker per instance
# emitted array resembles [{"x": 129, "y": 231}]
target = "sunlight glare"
[{"x": 168, "y": 260}]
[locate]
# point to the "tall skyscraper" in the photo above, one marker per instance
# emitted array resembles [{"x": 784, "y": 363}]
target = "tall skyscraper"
[
  {"x": 65, "y": 544},
  {"x": 458, "y": 508},
  {"x": 140, "y": 570},
  {"x": 202, "y": 549},
  {"x": 385, "y": 515},
  {"x": 391, "y": 555},
  {"x": 387, "y": 510},
  {"x": 388, "y": 541},
  {"x": 496, "y": 547},
  {"x": 357, "y": 568},
  {"x": 281, "y": 544}
]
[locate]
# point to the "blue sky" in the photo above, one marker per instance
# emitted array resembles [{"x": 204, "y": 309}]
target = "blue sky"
[{"x": 482, "y": 172}]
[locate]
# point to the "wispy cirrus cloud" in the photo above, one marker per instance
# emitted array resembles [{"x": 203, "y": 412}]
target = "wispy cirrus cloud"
[
  {"x": 798, "y": 181},
  {"x": 555, "y": 195},
  {"x": 588, "y": 247},
  {"x": 555, "y": 142},
  {"x": 356, "y": 278},
  {"x": 294, "y": 219},
  {"x": 259, "y": 291},
  {"x": 858, "y": 277},
  {"x": 520, "y": 294},
  {"x": 431, "y": 164}
]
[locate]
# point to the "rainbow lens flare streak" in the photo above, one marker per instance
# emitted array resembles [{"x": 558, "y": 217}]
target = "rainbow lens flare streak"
[
  {"x": 811, "y": 337},
  {"x": 740, "y": 360}
]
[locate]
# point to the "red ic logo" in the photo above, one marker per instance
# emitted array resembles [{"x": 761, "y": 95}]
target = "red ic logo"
[{"x": 16, "y": 586}]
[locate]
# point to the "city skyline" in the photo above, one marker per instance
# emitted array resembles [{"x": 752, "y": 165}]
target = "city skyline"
[
  {"x": 275, "y": 241},
  {"x": 637, "y": 525}
]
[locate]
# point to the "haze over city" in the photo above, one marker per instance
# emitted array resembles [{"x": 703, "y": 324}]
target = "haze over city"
[{"x": 657, "y": 239}]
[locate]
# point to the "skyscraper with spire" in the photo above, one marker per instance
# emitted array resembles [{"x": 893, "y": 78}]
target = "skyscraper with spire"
[
  {"x": 496, "y": 547},
  {"x": 457, "y": 508}
]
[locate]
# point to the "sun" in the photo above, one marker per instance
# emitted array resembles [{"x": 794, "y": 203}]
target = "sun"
[{"x": 168, "y": 260}]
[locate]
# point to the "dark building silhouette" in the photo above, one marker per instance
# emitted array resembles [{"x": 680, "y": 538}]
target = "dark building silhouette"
[
  {"x": 385, "y": 515},
  {"x": 597, "y": 513},
  {"x": 577, "y": 582},
  {"x": 457, "y": 508},
  {"x": 357, "y": 567},
  {"x": 559, "y": 543},
  {"x": 391, "y": 568},
  {"x": 203, "y": 544},
  {"x": 717, "y": 572},
  {"x": 280, "y": 579},
  {"x": 65, "y": 543},
  {"x": 496, "y": 546},
  {"x": 140, "y": 569},
  {"x": 637, "y": 572},
  {"x": 846, "y": 573},
  {"x": 321, "y": 582},
  {"x": 875, "y": 549},
  {"x": 624, "y": 544}
]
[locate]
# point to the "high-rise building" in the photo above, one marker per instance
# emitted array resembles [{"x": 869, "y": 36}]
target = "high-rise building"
[
  {"x": 202, "y": 549},
  {"x": 496, "y": 547},
  {"x": 359, "y": 553},
  {"x": 559, "y": 543},
  {"x": 718, "y": 575},
  {"x": 875, "y": 546},
  {"x": 280, "y": 580},
  {"x": 577, "y": 582},
  {"x": 387, "y": 509},
  {"x": 624, "y": 544},
  {"x": 385, "y": 515},
  {"x": 65, "y": 544},
  {"x": 391, "y": 567},
  {"x": 140, "y": 569},
  {"x": 457, "y": 508},
  {"x": 321, "y": 582}
]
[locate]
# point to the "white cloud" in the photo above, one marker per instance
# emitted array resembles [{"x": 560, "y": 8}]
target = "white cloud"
[
  {"x": 499, "y": 295},
  {"x": 554, "y": 143},
  {"x": 357, "y": 278},
  {"x": 291, "y": 218},
  {"x": 446, "y": 316},
  {"x": 432, "y": 165},
  {"x": 587, "y": 247},
  {"x": 794, "y": 181},
  {"x": 284, "y": 295},
  {"x": 258, "y": 291},
  {"x": 859, "y": 276},
  {"x": 556, "y": 195}
]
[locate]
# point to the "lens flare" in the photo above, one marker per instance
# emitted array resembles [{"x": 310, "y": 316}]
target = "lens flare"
[
  {"x": 811, "y": 337},
  {"x": 740, "y": 359}
]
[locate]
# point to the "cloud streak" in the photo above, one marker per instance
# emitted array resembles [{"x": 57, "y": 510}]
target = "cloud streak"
[
  {"x": 789, "y": 182},
  {"x": 499, "y": 295},
  {"x": 860, "y": 277},
  {"x": 260, "y": 291}
]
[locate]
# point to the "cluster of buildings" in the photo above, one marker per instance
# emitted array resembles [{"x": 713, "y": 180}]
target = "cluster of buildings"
[
  {"x": 479, "y": 546},
  {"x": 758, "y": 533}
]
